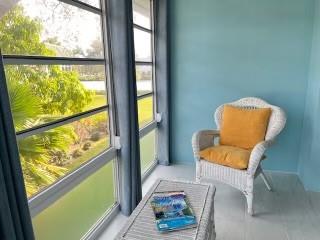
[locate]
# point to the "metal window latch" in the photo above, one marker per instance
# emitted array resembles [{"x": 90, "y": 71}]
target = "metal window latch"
[
  {"x": 117, "y": 143},
  {"x": 158, "y": 117}
]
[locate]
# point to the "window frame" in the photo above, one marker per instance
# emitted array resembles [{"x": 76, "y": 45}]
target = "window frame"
[
  {"x": 50, "y": 194},
  {"x": 153, "y": 125},
  {"x": 44, "y": 198}
]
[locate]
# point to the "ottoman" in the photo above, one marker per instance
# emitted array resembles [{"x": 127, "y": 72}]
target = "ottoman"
[{"x": 141, "y": 224}]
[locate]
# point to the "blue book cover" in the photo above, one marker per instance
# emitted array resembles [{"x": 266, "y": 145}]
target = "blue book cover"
[{"x": 172, "y": 211}]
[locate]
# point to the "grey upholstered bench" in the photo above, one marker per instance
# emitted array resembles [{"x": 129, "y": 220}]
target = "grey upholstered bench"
[{"x": 141, "y": 225}]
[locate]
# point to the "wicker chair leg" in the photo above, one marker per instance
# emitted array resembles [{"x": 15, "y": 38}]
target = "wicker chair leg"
[
  {"x": 198, "y": 172},
  {"x": 265, "y": 180},
  {"x": 198, "y": 179},
  {"x": 249, "y": 197}
]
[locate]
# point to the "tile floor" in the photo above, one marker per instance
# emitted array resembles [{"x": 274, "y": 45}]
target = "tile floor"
[{"x": 287, "y": 213}]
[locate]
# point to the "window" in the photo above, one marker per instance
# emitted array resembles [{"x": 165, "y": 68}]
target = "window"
[
  {"x": 58, "y": 91},
  {"x": 142, "y": 13},
  {"x": 85, "y": 204},
  {"x": 59, "y": 151},
  {"x": 147, "y": 150},
  {"x": 57, "y": 76},
  {"x": 55, "y": 28},
  {"x": 145, "y": 75}
]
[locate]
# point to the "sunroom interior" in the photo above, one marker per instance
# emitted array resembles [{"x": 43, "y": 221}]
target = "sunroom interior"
[{"x": 101, "y": 98}]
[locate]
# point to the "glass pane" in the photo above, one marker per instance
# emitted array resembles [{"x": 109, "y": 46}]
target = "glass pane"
[
  {"x": 141, "y": 13},
  {"x": 95, "y": 3},
  {"x": 147, "y": 150},
  {"x": 70, "y": 217},
  {"x": 142, "y": 45},
  {"x": 144, "y": 79},
  {"x": 43, "y": 93},
  {"x": 54, "y": 29},
  {"x": 48, "y": 156},
  {"x": 145, "y": 111}
]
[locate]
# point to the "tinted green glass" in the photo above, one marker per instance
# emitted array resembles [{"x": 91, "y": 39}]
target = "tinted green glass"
[
  {"x": 75, "y": 213},
  {"x": 147, "y": 150}
]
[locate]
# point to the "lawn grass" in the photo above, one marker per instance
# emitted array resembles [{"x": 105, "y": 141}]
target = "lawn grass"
[
  {"x": 145, "y": 111},
  {"x": 145, "y": 108},
  {"x": 147, "y": 143},
  {"x": 145, "y": 116},
  {"x": 95, "y": 149},
  {"x": 97, "y": 101}
]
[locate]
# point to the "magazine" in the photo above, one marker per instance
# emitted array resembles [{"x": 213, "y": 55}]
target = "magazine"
[{"x": 172, "y": 211}]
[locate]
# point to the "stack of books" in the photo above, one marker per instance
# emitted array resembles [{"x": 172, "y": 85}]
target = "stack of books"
[{"x": 172, "y": 211}]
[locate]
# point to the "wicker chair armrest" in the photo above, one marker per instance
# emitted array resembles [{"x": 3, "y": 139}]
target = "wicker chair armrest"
[
  {"x": 203, "y": 139},
  {"x": 257, "y": 154}
]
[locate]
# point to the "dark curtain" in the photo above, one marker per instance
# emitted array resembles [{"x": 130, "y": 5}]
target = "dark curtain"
[
  {"x": 119, "y": 18},
  {"x": 15, "y": 220}
]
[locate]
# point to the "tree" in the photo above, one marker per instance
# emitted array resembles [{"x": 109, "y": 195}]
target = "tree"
[
  {"x": 61, "y": 92},
  {"x": 96, "y": 50},
  {"x": 36, "y": 151},
  {"x": 21, "y": 35},
  {"x": 93, "y": 72},
  {"x": 37, "y": 95}
]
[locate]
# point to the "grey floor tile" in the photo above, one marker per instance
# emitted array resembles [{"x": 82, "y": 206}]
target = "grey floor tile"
[
  {"x": 286, "y": 213},
  {"x": 314, "y": 198},
  {"x": 229, "y": 230}
]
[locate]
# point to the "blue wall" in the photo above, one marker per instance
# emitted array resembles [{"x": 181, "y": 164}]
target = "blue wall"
[
  {"x": 309, "y": 162},
  {"x": 222, "y": 50}
]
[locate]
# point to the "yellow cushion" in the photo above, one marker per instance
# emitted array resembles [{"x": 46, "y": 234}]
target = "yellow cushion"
[
  {"x": 227, "y": 156},
  {"x": 242, "y": 127}
]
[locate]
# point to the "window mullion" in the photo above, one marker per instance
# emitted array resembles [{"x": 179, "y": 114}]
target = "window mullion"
[
  {"x": 139, "y": 63},
  {"x": 83, "y": 6},
  {"x": 145, "y": 130},
  {"x": 54, "y": 124},
  {"x": 45, "y": 60},
  {"x": 142, "y": 28}
]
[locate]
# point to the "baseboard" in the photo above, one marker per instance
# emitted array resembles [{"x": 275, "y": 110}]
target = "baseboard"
[{"x": 280, "y": 171}]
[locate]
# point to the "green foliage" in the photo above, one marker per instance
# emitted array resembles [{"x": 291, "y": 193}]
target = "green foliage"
[
  {"x": 39, "y": 94},
  {"x": 36, "y": 153},
  {"x": 24, "y": 105},
  {"x": 63, "y": 92},
  {"x": 59, "y": 91},
  {"x": 20, "y": 34}
]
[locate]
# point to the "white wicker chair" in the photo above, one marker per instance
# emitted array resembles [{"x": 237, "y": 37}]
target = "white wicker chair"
[{"x": 240, "y": 179}]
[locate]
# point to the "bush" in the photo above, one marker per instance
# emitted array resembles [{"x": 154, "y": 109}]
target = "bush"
[
  {"x": 86, "y": 146},
  {"x": 95, "y": 136},
  {"x": 59, "y": 158},
  {"x": 76, "y": 153}
]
